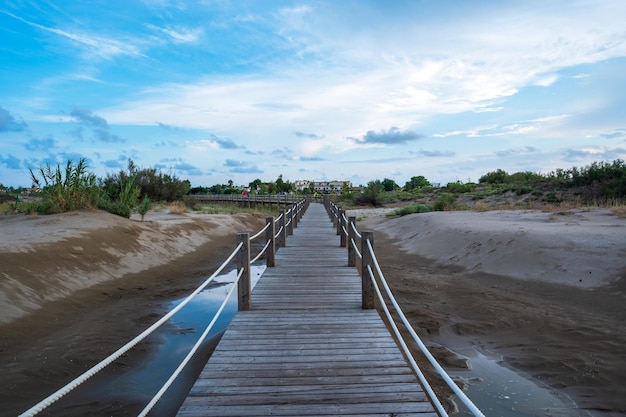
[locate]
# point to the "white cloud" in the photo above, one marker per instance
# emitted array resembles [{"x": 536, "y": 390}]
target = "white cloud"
[
  {"x": 179, "y": 34},
  {"x": 97, "y": 45}
]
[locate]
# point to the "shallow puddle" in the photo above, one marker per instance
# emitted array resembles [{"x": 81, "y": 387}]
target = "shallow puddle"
[
  {"x": 499, "y": 391},
  {"x": 118, "y": 390}
]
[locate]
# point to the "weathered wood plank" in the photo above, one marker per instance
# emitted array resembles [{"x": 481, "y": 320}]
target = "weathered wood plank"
[
  {"x": 306, "y": 347},
  {"x": 421, "y": 409}
]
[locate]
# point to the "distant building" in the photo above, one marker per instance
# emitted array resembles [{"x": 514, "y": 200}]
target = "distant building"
[{"x": 323, "y": 187}]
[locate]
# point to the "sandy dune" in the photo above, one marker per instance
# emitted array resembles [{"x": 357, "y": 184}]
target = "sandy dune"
[
  {"x": 543, "y": 291},
  {"x": 575, "y": 247}
]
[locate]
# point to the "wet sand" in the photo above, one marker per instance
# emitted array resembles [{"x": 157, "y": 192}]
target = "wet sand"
[{"x": 545, "y": 291}]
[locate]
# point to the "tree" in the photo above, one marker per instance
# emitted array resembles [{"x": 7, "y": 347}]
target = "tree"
[
  {"x": 255, "y": 184},
  {"x": 494, "y": 177},
  {"x": 373, "y": 194},
  {"x": 416, "y": 182},
  {"x": 389, "y": 185},
  {"x": 282, "y": 186}
]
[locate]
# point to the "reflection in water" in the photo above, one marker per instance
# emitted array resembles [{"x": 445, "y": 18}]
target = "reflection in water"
[
  {"x": 118, "y": 390},
  {"x": 499, "y": 391}
]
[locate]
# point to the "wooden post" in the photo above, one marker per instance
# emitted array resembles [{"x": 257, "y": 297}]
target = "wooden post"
[
  {"x": 366, "y": 282},
  {"x": 243, "y": 261},
  {"x": 338, "y": 225},
  {"x": 351, "y": 238},
  {"x": 283, "y": 229},
  {"x": 290, "y": 221},
  {"x": 296, "y": 207},
  {"x": 343, "y": 228},
  {"x": 269, "y": 237}
]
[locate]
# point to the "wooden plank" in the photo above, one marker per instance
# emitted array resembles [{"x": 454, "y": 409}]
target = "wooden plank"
[{"x": 307, "y": 347}]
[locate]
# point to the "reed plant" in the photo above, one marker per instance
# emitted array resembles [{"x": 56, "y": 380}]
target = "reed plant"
[{"x": 66, "y": 189}]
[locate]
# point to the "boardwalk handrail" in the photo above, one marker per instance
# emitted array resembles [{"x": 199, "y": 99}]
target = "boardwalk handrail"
[
  {"x": 347, "y": 227},
  {"x": 284, "y": 199},
  {"x": 297, "y": 209}
]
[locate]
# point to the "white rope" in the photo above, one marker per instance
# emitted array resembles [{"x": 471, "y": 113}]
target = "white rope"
[
  {"x": 279, "y": 231},
  {"x": 356, "y": 232},
  {"x": 466, "y": 401},
  {"x": 256, "y": 258},
  {"x": 260, "y": 232},
  {"x": 46, "y": 402},
  {"x": 405, "y": 348},
  {"x": 192, "y": 352},
  {"x": 358, "y": 252}
]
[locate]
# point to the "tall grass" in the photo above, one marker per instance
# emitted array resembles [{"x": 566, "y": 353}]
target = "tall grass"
[{"x": 66, "y": 189}]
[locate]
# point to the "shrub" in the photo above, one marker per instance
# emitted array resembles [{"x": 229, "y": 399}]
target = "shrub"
[
  {"x": 445, "y": 202},
  {"x": 459, "y": 188},
  {"x": 373, "y": 194},
  {"x": 144, "y": 207},
  {"x": 177, "y": 207},
  {"x": 495, "y": 177},
  {"x": 118, "y": 208},
  {"x": 412, "y": 209}
]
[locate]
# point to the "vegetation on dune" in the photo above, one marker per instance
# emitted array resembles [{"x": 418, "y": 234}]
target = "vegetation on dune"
[
  {"x": 65, "y": 189},
  {"x": 71, "y": 187}
]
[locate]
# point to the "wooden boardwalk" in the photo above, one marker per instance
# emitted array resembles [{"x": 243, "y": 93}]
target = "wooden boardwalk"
[{"x": 307, "y": 348}]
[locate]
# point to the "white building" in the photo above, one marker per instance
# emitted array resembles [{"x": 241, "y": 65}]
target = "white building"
[{"x": 323, "y": 187}]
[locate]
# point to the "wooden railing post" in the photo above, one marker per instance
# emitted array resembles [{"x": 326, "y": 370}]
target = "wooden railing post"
[
  {"x": 366, "y": 282},
  {"x": 243, "y": 261},
  {"x": 351, "y": 238},
  {"x": 343, "y": 229},
  {"x": 283, "y": 229},
  {"x": 339, "y": 219},
  {"x": 295, "y": 207},
  {"x": 290, "y": 221},
  {"x": 269, "y": 237}
]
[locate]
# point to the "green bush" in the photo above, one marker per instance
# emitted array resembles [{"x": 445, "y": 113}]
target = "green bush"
[
  {"x": 460, "y": 188},
  {"x": 118, "y": 208},
  {"x": 494, "y": 177},
  {"x": 412, "y": 209},
  {"x": 445, "y": 202},
  {"x": 144, "y": 207},
  {"x": 374, "y": 194}
]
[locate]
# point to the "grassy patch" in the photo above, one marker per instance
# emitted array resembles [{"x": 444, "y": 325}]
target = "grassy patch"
[{"x": 412, "y": 209}]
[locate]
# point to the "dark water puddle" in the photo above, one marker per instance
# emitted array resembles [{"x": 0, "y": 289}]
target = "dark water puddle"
[
  {"x": 120, "y": 390},
  {"x": 500, "y": 391}
]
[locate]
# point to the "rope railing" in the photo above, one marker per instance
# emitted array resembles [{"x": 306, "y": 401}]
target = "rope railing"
[
  {"x": 242, "y": 246},
  {"x": 370, "y": 286},
  {"x": 356, "y": 249},
  {"x": 192, "y": 352},
  {"x": 405, "y": 348},
  {"x": 51, "y": 399},
  {"x": 254, "y": 237},
  {"x": 459, "y": 393},
  {"x": 261, "y": 253}
]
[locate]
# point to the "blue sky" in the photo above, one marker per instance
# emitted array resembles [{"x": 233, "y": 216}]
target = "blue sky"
[{"x": 219, "y": 90}]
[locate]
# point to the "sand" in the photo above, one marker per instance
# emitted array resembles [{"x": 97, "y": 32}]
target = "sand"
[
  {"x": 75, "y": 287},
  {"x": 545, "y": 291}
]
